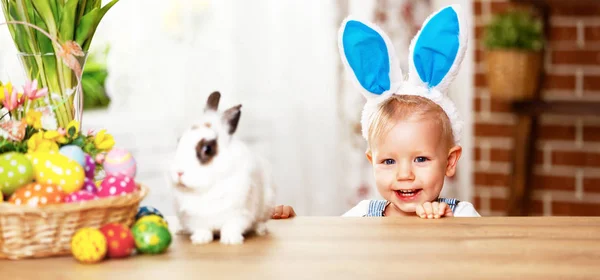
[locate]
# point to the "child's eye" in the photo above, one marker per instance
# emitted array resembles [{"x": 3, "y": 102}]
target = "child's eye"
[
  {"x": 421, "y": 159},
  {"x": 389, "y": 161}
]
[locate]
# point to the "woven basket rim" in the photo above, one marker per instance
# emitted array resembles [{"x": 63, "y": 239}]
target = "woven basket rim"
[{"x": 122, "y": 200}]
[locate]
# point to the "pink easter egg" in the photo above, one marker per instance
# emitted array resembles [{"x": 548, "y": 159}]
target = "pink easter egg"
[
  {"x": 90, "y": 186},
  {"x": 80, "y": 196},
  {"x": 116, "y": 185},
  {"x": 120, "y": 161},
  {"x": 90, "y": 167}
]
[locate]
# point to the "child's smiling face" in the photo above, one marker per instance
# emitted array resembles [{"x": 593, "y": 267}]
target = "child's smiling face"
[{"x": 411, "y": 154}]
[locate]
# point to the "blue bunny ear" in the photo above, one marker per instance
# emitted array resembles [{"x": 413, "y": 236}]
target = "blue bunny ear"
[
  {"x": 368, "y": 54},
  {"x": 437, "y": 50}
]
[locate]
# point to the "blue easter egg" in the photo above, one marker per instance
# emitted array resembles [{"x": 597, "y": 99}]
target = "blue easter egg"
[
  {"x": 147, "y": 210},
  {"x": 73, "y": 152}
]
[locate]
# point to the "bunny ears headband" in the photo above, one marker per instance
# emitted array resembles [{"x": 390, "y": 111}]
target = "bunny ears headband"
[{"x": 434, "y": 59}]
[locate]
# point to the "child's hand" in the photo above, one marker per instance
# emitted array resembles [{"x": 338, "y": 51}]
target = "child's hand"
[
  {"x": 283, "y": 212},
  {"x": 434, "y": 210}
]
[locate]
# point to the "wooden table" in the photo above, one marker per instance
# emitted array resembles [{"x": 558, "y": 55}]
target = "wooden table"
[{"x": 363, "y": 248}]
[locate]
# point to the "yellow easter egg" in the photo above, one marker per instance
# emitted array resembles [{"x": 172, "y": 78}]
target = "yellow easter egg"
[
  {"x": 56, "y": 169},
  {"x": 88, "y": 245}
]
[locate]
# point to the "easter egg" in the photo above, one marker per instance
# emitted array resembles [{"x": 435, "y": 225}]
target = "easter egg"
[
  {"x": 147, "y": 210},
  {"x": 57, "y": 169},
  {"x": 89, "y": 185},
  {"x": 15, "y": 171},
  {"x": 37, "y": 194},
  {"x": 150, "y": 237},
  {"x": 116, "y": 185},
  {"x": 88, "y": 245},
  {"x": 120, "y": 161},
  {"x": 89, "y": 167},
  {"x": 73, "y": 152},
  {"x": 119, "y": 240},
  {"x": 80, "y": 196},
  {"x": 153, "y": 219}
]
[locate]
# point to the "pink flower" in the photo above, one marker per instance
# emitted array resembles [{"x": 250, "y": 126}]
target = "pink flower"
[
  {"x": 62, "y": 131},
  {"x": 90, "y": 132},
  {"x": 100, "y": 158},
  {"x": 31, "y": 91},
  {"x": 11, "y": 99}
]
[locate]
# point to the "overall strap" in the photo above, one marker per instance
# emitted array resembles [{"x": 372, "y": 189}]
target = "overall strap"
[
  {"x": 376, "y": 208},
  {"x": 452, "y": 202}
]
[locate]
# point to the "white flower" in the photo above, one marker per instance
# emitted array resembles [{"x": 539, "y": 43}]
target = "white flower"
[{"x": 48, "y": 119}]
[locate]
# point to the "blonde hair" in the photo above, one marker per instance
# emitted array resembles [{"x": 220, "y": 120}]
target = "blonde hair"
[{"x": 408, "y": 107}]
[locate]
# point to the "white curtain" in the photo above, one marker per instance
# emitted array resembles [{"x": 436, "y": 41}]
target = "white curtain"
[{"x": 277, "y": 58}]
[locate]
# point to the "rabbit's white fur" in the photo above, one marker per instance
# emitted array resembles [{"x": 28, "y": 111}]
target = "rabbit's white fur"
[{"x": 230, "y": 195}]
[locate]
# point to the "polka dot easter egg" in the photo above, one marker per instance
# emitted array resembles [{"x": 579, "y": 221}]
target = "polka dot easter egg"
[
  {"x": 90, "y": 167},
  {"x": 38, "y": 195},
  {"x": 150, "y": 237},
  {"x": 120, "y": 161},
  {"x": 89, "y": 185},
  {"x": 88, "y": 245},
  {"x": 119, "y": 240},
  {"x": 147, "y": 210},
  {"x": 57, "y": 169},
  {"x": 116, "y": 185},
  {"x": 15, "y": 171},
  {"x": 80, "y": 196},
  {"x": 73, "y": 152}
]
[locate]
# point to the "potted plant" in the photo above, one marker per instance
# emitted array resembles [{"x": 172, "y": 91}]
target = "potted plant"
[{"x": 514, "y": 53}]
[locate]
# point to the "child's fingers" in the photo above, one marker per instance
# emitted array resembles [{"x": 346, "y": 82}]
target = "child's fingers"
[
  {"x": 421, "y": 211},
  {"x": 434, "y": 210},
  {"x": 277, "y": 212},
  {"x": 428, "y": 210},
  {"x": 441, "y": 210},
  {"x": 285, "y": 213},
  {"x": 292, "y": 212},
  {"x": 449, "y": 212}
]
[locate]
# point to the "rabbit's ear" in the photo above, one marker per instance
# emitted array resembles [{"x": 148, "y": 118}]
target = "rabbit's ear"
[
  {"x": 212, "y": 103},
  {"x": 436, "y": 52},
  {"x": 368, "y": 54},
  {"x": 231, "y": 117}
]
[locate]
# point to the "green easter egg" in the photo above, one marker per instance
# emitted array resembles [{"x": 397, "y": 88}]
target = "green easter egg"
[
  {"x": 15, "y": 171},
  {"x": 151, "y": 237},
  {"x": 154, "y": 219}
]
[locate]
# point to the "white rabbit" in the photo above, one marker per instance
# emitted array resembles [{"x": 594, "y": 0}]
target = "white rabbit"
[{"x": 220, "y": 186}]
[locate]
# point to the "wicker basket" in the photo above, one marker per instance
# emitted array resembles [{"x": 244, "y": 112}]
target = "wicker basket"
[
  {"x": 512, "y": 74},
  {"x": 27, "y": 232}
]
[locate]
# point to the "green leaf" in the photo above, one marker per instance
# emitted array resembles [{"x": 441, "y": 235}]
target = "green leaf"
[
  {"x": 79, "y": 141},
  {"x": 43, "y": 9},
  {"x": 92, "y": 4},
  {"x": 85, "y": 27},
  {"x": 72, "y": 131},
  {"x": 44, "y": 43},
  {"x": 514, "y": 29},
  {"x": 103, "y": 12},
  {"x": 67, "y": 20}
]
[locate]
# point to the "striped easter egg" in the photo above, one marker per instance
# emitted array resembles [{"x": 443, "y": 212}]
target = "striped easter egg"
[{"x": 120, "y": 161}]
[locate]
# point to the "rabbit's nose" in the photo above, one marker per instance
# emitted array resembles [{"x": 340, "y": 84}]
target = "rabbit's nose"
[{"x": 179, "y": 174}]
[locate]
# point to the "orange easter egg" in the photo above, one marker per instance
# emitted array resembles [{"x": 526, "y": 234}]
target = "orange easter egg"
[{"x": 38, "y": 195}]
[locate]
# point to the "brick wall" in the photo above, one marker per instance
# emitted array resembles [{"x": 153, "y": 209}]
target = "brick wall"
[{"x": 567, "y": 168}]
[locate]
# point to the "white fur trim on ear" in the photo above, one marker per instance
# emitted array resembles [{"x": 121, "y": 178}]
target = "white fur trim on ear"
[
  {"x": 413, "y": 76},
  {"x": 395, "y": 75}
]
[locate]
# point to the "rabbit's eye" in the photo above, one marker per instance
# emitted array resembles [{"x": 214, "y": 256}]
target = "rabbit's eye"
[{"x": 206, "y": 150}]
